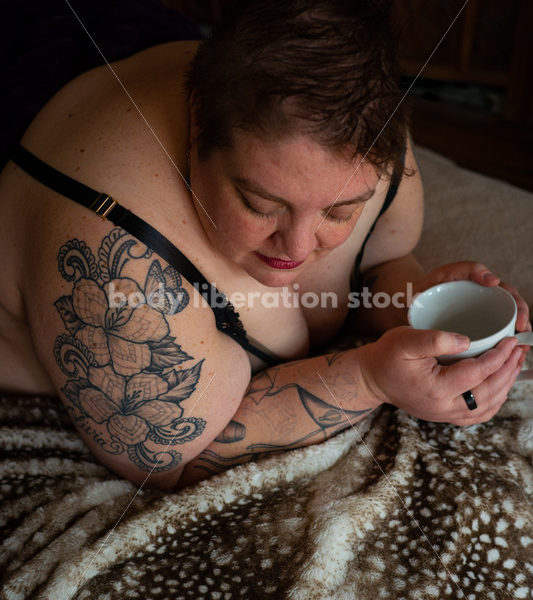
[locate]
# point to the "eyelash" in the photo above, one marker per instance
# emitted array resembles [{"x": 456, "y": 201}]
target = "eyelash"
[
  {"x": 338, "y": 219},
  {"x": 261, "y": 215},
  {"x": 255, "y": 212}
]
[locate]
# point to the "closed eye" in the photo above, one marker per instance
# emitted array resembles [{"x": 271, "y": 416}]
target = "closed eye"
[
  {"x": 337, "y": 217},
  {"x": 247, "y": 204},
  {"x": 334, "y": 214}
]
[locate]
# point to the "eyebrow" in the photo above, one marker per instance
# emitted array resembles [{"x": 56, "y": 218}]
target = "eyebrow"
[{"x": 249, "y": 186}]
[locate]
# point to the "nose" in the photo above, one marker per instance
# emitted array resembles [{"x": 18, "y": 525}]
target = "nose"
[{"x": 297, "y": 240}]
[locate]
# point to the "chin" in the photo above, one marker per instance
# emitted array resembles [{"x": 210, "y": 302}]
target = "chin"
[{"x": 274, "y": 278}]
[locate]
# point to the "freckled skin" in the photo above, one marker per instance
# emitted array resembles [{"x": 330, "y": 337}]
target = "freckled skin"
[{"x": 296, "y": 231}]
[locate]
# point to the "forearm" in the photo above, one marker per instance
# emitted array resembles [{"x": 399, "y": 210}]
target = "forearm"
[
  {"x": 395, "y": 279},
  {"x": 288, "y": 406}
]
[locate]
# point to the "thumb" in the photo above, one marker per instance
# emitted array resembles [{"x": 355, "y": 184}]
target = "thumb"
[{"x": 421, "y": 343}]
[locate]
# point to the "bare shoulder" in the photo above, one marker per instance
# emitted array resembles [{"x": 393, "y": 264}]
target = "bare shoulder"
[
  {"x": 130, "y": 346},
  {"x": 115, "y": 114},
  {"x": 398, "y": 230},
  {"x": 120, "y": 130}
]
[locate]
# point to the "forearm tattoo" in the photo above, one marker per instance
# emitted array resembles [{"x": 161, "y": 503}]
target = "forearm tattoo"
[
  {"x": 118, "y": 355},
  {"x": 328, "y": 420}
]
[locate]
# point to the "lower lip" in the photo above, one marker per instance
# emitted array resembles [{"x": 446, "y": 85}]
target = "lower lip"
[{"x": 277, "y": 263}]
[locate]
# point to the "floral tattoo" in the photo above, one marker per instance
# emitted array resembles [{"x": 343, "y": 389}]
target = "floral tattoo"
[{"x": 118, "y": 355}]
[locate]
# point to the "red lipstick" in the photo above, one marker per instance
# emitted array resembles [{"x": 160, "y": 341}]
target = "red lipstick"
[{"x": 278, "y": 263}]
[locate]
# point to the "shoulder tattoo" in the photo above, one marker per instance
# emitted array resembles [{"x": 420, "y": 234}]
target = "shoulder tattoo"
[{"x": 118, "y": 355}]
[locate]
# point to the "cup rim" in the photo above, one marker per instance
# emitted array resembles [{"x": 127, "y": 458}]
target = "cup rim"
[{"x": 474, "y": 343}]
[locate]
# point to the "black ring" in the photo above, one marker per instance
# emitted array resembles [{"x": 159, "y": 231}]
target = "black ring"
[{"x": 470, "y": 400}]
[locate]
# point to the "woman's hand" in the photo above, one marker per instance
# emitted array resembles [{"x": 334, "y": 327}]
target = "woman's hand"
[
  {"x": 478, "y": 273},
  {"x": 401, "y": 369}
]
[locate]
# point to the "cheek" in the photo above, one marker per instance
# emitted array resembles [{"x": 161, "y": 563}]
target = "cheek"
[
  {"x": 331, "y": 235},
  {"x": 237, "y": 229},
  {"x": 232, "y": 227}
]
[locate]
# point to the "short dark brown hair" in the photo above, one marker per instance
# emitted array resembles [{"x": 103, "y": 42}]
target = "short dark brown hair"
[{"x": 326, "y": 68}]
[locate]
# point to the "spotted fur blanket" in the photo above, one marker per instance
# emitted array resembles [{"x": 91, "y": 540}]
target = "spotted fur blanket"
[{"x": 393, "y": 509}]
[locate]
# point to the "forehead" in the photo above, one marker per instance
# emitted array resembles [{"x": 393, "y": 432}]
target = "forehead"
[{"x": 298, "y": 166}]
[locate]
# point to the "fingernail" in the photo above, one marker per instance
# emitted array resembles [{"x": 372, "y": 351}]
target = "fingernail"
[
  {"x": 514, "y": 356},
  {"x": 488, "y": 275},
  {"x": 461, "y": 340}
]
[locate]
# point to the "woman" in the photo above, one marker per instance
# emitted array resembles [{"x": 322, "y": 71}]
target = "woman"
[{"x": 289, "y": 126}]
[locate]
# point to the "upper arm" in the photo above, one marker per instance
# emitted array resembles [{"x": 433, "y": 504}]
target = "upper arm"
[
  {"x": 131, "y": 347},
  {"x": 398, "y": 230}
]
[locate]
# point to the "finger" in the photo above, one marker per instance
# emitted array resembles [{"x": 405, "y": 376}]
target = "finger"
[
  {"x": 483, "y": 275},
  {"x": 486, "y": 411},
  {"x": 468, "y": 373},
  {"x": 466, "y": 269},
  {"x": 511, "y": 381},
  {"x": 493, "y": 392},
  {"x": 423, "y": 343},
  {"x": 522, "y": 315},
  {"x": 496, "y": 386},
  {"x": 525, "y": 350}
]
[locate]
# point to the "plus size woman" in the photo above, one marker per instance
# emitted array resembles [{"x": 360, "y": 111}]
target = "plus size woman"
[{"x": 183, "y": 234}]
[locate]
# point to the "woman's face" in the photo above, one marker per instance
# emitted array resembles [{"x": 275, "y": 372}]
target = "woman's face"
[{"x": 277, "y": 207}]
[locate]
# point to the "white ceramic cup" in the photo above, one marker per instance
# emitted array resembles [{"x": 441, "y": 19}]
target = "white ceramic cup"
[{"x": 485, "y": 314}]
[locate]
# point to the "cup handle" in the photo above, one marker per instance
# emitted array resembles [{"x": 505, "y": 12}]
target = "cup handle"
[{"x": 525, "y": 338}]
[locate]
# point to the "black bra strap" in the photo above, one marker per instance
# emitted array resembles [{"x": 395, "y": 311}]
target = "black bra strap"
[
  {"x": 391, "y": 194},
  {"x": 227, "y": 320}
]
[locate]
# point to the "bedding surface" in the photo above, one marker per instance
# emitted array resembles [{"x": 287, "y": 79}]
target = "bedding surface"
[
  {"x": 393, "y": 508},
  {"x": 469, "y": 216}
]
